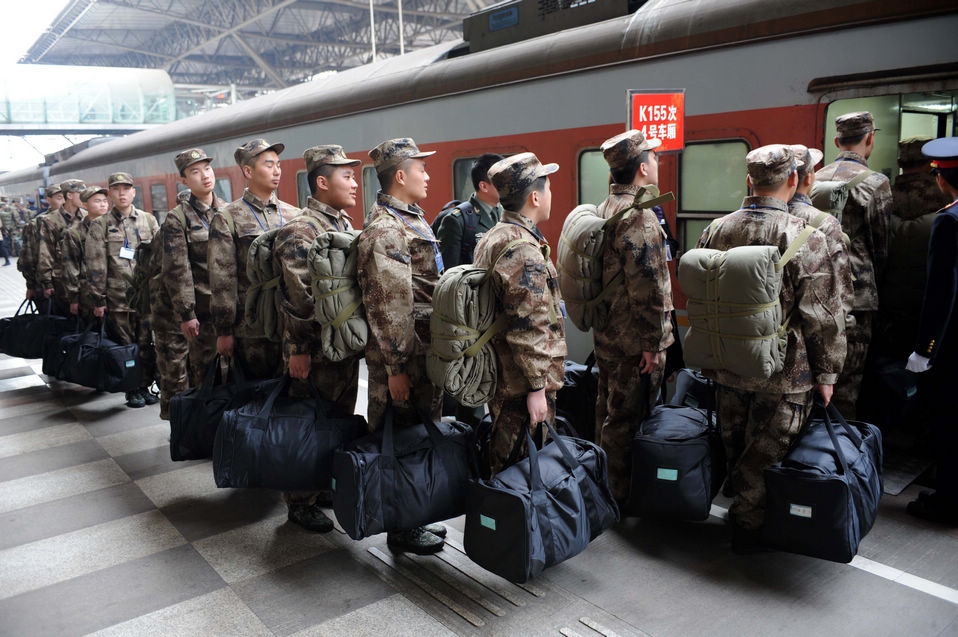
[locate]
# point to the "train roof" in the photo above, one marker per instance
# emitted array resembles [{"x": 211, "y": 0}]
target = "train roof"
[{"x": 658, "y": 28}]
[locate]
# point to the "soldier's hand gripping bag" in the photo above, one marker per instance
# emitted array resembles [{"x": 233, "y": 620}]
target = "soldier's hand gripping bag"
[
  {"x": 195, "y": 414},
  {"x": 576, "y": 399},
  {"x": 92, "y": 360},
  {"x": 540, "y": 511},
  {"x": 403, "y": 477},
  {"x": 279, "y": 442},
  {"x": 823, "y": 497},
  {"x": 678, "y": 464}
]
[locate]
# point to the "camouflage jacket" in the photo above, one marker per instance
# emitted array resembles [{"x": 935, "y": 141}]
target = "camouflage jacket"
[
  {"x": 532, "y": 349},
  {"x": 50, "y": 228},
  {"x": 301, "y": 331},
  {"x": 801, "y": 206},
  {"x": 227, "y": 255},
  {"x": 184, "y": 266},
  {"x": 865, "y": 221},
  {"x": 8, "y": 219},
  {"x": 810, "y": 296},
  {"x": 639, "y": 318},
  {"x": 397, "y": 272},
  {"x": 74, "y": 270},
  {"x": 27, "y": 262},
  {"x": 106, "y": 269}
]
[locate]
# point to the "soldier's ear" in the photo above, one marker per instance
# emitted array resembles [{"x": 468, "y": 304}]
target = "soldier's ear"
[{"x": 247, "y": 171}]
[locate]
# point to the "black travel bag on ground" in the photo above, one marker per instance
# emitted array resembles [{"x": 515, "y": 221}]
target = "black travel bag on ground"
[
  {"x": 576, "y": 400},
  {"x": 678, "y": 464},
  {"x": 92, "y": 360},
  {"x": 24, "y": 334},
  {"x": 823, "y": 497},
  {"x": 53, "y": 354},
  {"x": 403, "y": 477},
  {"x": 279, "y": 442},
  {"x": 195, "y": 414},
  {"x": 541, "y": 510},
  {"x": 692, "y": 389}
]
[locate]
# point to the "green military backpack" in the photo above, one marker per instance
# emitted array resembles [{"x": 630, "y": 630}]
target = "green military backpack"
[
  {"x": 263, "y": 311},
  {"x": 332, "y": 261},
  {"x": 831, "y": 196}
]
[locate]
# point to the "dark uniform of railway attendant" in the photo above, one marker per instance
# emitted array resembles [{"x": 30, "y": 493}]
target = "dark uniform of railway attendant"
[
  {"x": 97, "y": 202},
  {"x": 333, "y": 187},
  {"x": 457, "y": 248},
  {"x": 399, "y": 266},
  {"x": 109, "y": 254},
  {"x": 936, "y": 348},
  {"x": 50, "y": 229},
  {"x": 184, "y": 266},
  {"x": 865, "y": 221},
  {"x": 256, "y": 212},
  {"x": 531, "y": 350},
  {"x": 761, "y": 417},
  {"x": 630, "y": 347},
  {"x": 27, "y": 263}
]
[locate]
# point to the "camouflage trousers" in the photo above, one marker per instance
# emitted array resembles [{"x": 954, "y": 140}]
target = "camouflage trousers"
[
  {"x": 172, "y": 352},
  {"x": 127, "y": 328},
  {"x": 336, "y": 382},
  {"x": 425, "y": 397},
  {"x": 757, "y": 429},
  {"x": 261, "y": 358},
  {"x": 202, "y": 350},
  {"x": 850, "y": 380},
  {"x": 510, "y": 418},
  {"x": 625, "y": 399}
]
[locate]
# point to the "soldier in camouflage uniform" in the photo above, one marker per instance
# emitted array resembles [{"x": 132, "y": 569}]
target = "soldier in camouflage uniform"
[
  {"x": 27, "y": 263},
  {"x": 630, "y": 347},
  {"x": 50, "y": 229},
  {"x": 801, "y": 206},
  {"x": 333, "y": 187},
  {"x": 256, "y": 212},
  {"x": 865, "y": 221},
  {"x": 97, "y": 202},
  {"x": 760, "y": 418},
  {"x": 184, "y": 262},
  {"x": 11, "y": 231},
  {"x": 399, "y": 266},
  {"x": 531, "y": 350}
]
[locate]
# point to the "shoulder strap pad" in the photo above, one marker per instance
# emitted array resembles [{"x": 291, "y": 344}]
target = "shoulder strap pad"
[{"x": 795, "y": 246}]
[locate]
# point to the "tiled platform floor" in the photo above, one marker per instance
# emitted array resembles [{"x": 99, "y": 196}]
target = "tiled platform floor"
[{"x": 101, "y": 533}]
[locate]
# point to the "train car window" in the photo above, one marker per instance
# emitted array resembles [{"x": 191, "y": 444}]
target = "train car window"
[
  {"x": 462, "y": 178},
  {"x": 370, "y": 187},
  {"x": 138, "y": 199},
  {"x": 711, "y": 182},
  {"x": 593, "y": 177},
  {"x": 302, "y": 187},
  {"x": 224, "y": 189},
  {"x": 158, "y": 197},
  {"x": 180, "y": 187}
]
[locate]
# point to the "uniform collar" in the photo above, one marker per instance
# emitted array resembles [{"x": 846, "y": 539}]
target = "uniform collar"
[
  {"x": 119, "y": 215},
  {"x": 753, "y": 203},
  {"x": 515, "y": 218},
  {"x": 317, "y": 206},
  {"x": 481, "y": 206},
  {"x": 258, "y": 203},
  {"x": 398, "y": 205},
  {"x": 848, "y": 155},
  {"x": 200, "y": 207},
  {"x": 801, "y": 198},
  {"x": 651, "y": 190}
]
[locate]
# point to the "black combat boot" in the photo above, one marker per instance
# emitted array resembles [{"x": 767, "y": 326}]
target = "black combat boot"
[
  {"x": 310, "y": 517},
  {"x": 418, "y": 541}
]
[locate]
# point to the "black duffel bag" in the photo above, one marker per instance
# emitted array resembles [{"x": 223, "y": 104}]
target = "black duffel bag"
[
  {"x": 576, "y": 400},
  {"x": 53, "y": 354},
  {"x": 280, "y": 442},
  {"x": 196, "y": 413},
  {"x": 678, "y": 464},
  {"x": 541, "y": 510},
  {"x": 823, "y": 497},
  {"x": 24, "y": 334},
  {"x": 92, "y": 360},
  {"x": 692, "y": 389},
  {"x": 403, "y": 477}
]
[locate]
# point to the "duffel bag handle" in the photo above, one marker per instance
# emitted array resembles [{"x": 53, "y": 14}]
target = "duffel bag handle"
[
  {"x": 80, "y": 345},
  {"x": 31, "y": 307},
  {"x": 535, "y": 478},
  {"x": 571, "y": 462},
  {"x": 271, "y": 399},
  {"x": 827, "y": 411},
  {"x": 211, "y": 376}
]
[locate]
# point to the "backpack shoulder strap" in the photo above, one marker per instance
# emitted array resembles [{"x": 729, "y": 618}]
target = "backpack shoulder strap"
[
  {"x": 795, "y": 246},
  {"x": 230, "y": 222},
  {"x": 181, "y": 217},
  {"x": 859, "y": 178}
]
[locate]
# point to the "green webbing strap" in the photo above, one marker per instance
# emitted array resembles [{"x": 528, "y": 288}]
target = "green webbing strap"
[
  {"x": 817, "y": 220},
  {"x": 859, "y": 178},
  {"x": 345, "y": 313},
  {"x": 265, "y": 285},
  {"x": 613, "y": 284},
  {"x": 181, "y": 217},
  {"x": 500, "y": 324},
  {"x": 795, "y": 247},
  {"x": 229, "y": 221}
]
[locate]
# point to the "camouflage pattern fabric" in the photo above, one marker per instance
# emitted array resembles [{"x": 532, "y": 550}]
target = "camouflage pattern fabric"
[
  {"x": 801, "y": 206},
  {"x": 510, "y": 417},
  {"x": 27, "y": 262},
  {"x": 107, "y": 271},
  {"x": 397, "y": 272},
  {"x": 75, "y": 283},
  {"x": 50, "y": 229},
  {"x": 859, "y": 337},
  {"x": 128, "y": 327},
  {"x": 202, "y": 349},
  {"x": 184, "y": 259},
  {"x": 172, "y": 374},
  {"x": 757, "y": 428},
  {"x": 865, "y": 221},
  {"x": 810, "y": 286}
]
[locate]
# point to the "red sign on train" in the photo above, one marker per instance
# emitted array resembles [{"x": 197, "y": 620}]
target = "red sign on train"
[{"x": 659, "y": 115}]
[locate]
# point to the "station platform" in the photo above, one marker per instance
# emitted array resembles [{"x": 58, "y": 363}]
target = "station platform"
[{"x": 100, "y": 533}]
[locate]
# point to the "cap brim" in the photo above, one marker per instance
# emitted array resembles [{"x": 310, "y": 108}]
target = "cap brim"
[
  {"x": 343, "y": 162},
  {"x": 123, "y": 182},
  {"x": 277, "y": 148},
  {"x": 421, "y": 155},
  {"x": 817, "y": 156},
  {"x": 197, "y": 161},
  {"x": 651, "y": 144},
  {"x": 547, "y": 169}
]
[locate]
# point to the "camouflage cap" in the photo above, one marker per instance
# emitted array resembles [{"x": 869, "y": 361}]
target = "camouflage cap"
[
  {"x": 909, "y": 151},
  {"x": 810, "y": 157},
  {"x": 120, "y": 178},
  {"x": 190, "y": 156},
  {"x": 393, "y": 152},
  {"x": 327, "y": 155},
  {"x": 72, "y": 185},
  {"x": 245, "y": 154},
  {"x": 620, "y": 149},
  {"x": 93, "y": 190},
  {"x": 51, "y": 190},
  {"x": 771, "y": 165},
  {"x": 514, "y": 175},
  {"x": 854, "y": 124}
]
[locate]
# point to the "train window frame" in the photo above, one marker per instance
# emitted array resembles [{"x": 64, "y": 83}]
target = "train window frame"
[
  {"x": 371, "y": 186},
  {"x": 698, "y": 217},
  {"x": 302, "y": 187},
  {"x": 461, "y": 191},
  {"x": 153, "y": 196},
  {"x": 138, "y": 197},
  {"x": 580, "y": 176},
  {"x": 223, "y": 186}
]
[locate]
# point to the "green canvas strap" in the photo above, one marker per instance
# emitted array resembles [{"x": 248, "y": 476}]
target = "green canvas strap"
[
  {"x": 859, "y": 178},
  {"x": 230, "y": 223},
  {"x": 346, "y": 312},
  {"x": 795, "y": 246}
]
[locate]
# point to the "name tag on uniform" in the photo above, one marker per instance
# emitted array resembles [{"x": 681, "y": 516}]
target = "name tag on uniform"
[
  {"x": 439, "y": 266},
  {"x": 126, "y": 253}
]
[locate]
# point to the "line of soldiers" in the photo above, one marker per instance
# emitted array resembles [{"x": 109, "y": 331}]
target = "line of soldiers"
[{"x": 14, "y": 216}]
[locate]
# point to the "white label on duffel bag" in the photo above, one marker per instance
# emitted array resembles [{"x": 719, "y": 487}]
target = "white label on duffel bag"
[
  {"x": 667, "y": 474},
  {"x": 131, "y": 363},
  {"x": 486, "y": 521},
  {"x": 800, "y": 510},
  {"x": 334, "y": 484}
]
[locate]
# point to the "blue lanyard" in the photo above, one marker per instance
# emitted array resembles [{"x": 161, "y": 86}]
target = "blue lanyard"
[
  {"x": 253, "y": 210},
  {"x": 431, "y": 238}
]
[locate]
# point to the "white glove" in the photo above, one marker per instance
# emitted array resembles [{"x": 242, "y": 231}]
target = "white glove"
[{"x": 917, "y": 364}]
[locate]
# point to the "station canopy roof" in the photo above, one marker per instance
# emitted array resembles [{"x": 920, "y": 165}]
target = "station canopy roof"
[{"x": 258, "y": 45}]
